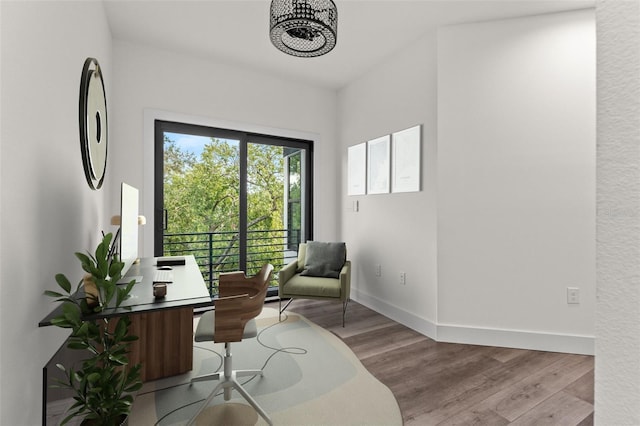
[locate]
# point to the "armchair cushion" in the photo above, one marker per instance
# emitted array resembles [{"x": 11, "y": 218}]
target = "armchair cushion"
[
  {"x": 307, "y": 286},
  {"x": 324, "y": 259}
]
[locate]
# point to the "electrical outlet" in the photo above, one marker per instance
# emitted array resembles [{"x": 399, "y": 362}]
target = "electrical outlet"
[
  {"x": 573, "y": 295},
  {"x": 378, "y": 270},
  {"x": 403, "y": 278}
]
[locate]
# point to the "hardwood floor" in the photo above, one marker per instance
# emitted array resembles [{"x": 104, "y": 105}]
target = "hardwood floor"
[{"x": 453, "y": 384}]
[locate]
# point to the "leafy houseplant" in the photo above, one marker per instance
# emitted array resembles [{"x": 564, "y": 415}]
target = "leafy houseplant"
[{"x": 104, "y": 382}]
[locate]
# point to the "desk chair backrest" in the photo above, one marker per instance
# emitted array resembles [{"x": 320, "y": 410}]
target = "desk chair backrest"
[{"x": 241, "y": 299}]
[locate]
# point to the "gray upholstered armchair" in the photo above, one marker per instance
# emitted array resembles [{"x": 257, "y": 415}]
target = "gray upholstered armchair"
[{"x": 321, "y": 271}]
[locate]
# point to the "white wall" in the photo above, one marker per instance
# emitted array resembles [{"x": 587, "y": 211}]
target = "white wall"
[
  {"x": 617, "y": 372},
  {"x": 397, "y": 231},
  {"x": 516, "y": 179},
  {"x": 168, "y": 84},
  {"x": 48, "y": 210},
  {"x": 514, "y": 176}
]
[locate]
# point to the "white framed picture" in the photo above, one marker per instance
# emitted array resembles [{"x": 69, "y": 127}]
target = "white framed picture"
[
  {"x": 357, "y": 169},
  {"x": 378, "y": 165},
  {"x": 405, "y": 171}
]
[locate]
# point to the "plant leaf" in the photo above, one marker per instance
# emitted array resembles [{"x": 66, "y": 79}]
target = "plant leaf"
[
  {"x": 93, "y": 377},
  {"x": 115, "y": 268},
  {"x": 71, "y": 312},
  {"x": 121, "y": 329},
  {"x": 63, "y": 282},
  {"x": 61, "y": 322},
  {"x": 106, "y": 240},
  {"x": 84, "y": 259},
  {"x": 134, "y": 387},
  {"x": 76, "y": 345},
  {"x": 53, "y": 293}
]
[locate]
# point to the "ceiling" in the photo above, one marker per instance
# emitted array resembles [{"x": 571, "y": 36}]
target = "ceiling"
[{"x": 237, "y": 31}]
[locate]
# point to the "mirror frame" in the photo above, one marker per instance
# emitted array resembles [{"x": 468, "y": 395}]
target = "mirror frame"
[{"x": 94, "y": 133}]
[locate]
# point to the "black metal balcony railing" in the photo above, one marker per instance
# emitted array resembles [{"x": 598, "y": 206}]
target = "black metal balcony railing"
[{"x": 217, "y": 252}]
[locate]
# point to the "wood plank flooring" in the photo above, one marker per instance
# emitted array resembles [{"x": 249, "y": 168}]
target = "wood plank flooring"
[{"x": 453, "y": 384}]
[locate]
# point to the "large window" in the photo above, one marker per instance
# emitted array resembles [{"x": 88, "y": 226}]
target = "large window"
[{"x": 235, "y": 200}]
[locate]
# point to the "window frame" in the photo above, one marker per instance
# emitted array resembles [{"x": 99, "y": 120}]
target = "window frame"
[{"x": 244, "y": 137}]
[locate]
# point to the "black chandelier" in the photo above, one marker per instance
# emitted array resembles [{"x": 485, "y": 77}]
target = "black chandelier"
[{"x": 304, "y": 28}]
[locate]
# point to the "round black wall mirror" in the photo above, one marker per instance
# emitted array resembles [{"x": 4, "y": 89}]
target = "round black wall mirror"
[{"x": 93, "y": 123}]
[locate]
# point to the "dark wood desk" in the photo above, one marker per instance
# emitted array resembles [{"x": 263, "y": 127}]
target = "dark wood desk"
[{"x": 164, "y": 326}]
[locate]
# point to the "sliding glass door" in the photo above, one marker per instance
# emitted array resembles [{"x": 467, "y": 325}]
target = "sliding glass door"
[{"x": 234, "y": 200}]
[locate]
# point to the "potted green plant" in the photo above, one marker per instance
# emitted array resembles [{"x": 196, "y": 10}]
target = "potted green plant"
[{"x": 104, "y": 383}]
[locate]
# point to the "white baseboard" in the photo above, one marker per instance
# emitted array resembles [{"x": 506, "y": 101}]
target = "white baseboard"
[
  {"x": 520, "y": 339},
  {"x": 421, "y": 325}
]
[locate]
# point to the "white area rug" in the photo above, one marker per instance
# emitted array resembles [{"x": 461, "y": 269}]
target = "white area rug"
[{"x": 310, "y": 378}]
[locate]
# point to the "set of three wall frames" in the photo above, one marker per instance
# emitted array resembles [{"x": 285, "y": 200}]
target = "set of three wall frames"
[{"x": 390, "y": 163}]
